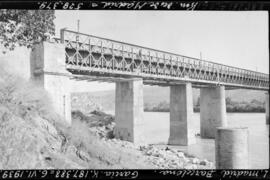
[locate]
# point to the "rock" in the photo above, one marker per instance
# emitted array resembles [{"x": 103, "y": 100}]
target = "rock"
[
  {"x": 156, "y": 153},
  {"x": 210, "y": 164},
  {"x": 110, "y": 135},
  {"x": 181, "y": 155},
  {"x": 148, "y": 153},
  {"x": 186, "y": 160},
  {"x": 190, "y": 166},
  {"x": 204, "y": 162},
  {"x": 174, "y": 151},
  {"x": 142, "y": 148},
  {"x": 195, "y": 161},
  {"x": 171, "y": 156},
  {"x": 44, "y": 124},
  {"x": 163, "y": 154},
  {"x": 98, "y": 113},
  {"x": 167, "y": 149}
]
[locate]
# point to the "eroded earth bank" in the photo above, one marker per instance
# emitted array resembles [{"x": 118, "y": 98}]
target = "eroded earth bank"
[{"x": 33, "y": 136}]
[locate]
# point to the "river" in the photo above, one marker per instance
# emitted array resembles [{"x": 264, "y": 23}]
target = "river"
[{"x": 156, "y": 131}]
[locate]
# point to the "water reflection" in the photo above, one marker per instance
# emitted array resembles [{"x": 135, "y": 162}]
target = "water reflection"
[
  {"x": 156, "y": 126},
  {"x": 205, "y": 148}
]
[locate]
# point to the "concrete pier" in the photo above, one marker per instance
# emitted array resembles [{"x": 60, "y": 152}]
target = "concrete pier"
[
  {"x": 129, "y": 110},
  {"x": 48, "y": 71},
  {"x": 212, "y": 110},
  {"x": 231, "y": 146},
  {"x": 267, "y": 107},
  {"x": 181, "y": 114}
]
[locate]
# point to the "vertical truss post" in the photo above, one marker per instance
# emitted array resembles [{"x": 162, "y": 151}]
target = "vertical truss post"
[
  {"x": 218, "y": 74},
  {"x": 157, "y": 66},
  {"x": 132, "y": 60},
  {"x": 189, "y": 67},
  {"x": 164, "y": 64},
  {"x": 177, "y": 64},
  {"x": 171, "y": 65},
  {"x": 122, "y": 61},
  {"x": 113, "y": 58},
  {"x": 62, "y": 36},
  {"x": 221, "y": 73},
  {"x": 77, "y": 48},
  {"x": 90, "y": 52},
  {"x": 150, "y": 63},
  {"x": 102, "y": 54},
  {"x": 141, "y": 58},
  {"x": 260, "y": 81},
  {"x": 242, "y": 77}
]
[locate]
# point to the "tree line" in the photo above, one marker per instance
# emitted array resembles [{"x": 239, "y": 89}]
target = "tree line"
[{"x": 231, "y": 106}]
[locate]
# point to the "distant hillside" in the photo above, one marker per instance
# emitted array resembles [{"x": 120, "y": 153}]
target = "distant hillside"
[{"x": 156, "y": 94}]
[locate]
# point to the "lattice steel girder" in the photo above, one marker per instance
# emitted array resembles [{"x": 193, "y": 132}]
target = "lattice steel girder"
[
  {"x": 175, "y": 80},
  {"x": 146, "y": 61}
]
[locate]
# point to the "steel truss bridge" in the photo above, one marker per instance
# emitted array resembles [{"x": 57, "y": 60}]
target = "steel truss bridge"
[{"x": 109, "y": 59}]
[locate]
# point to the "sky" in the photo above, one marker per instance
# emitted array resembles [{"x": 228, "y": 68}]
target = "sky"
[{"x": 233, "y": 38}]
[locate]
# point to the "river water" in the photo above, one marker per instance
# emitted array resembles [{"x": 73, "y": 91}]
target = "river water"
[{"x": 156, "y": 131}]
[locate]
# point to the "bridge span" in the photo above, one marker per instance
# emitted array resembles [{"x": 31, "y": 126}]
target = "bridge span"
[
  {"x": 90, "y": 58},
  {"x": 92, "y": 55}
]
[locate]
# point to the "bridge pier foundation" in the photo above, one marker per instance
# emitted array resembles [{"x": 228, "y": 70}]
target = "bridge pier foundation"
[
  {"x": 267, "y": 107},
  {"x": 212, "y": 110},
  {"x": 181, "y": 114},
  {"x": 231, "y": 148},
  {"x": 48, "y": 71},
  {"x": 129, "y": 110}
]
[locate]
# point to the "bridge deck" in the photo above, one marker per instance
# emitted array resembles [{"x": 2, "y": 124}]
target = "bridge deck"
[{"x": 95, "y": 56}]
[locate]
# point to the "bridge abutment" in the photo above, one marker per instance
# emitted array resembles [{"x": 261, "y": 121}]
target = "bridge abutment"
[
  {"x": 212, "y": 110},
  {"x": 181, "y": 114},
  {"x": 129, "y": 110},
  {"x": 48, "y": 71},
  {"x": 267, "y": 107}
]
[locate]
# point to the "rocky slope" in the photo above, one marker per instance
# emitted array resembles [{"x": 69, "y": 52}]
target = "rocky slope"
[
  {"x": 102, "y": 126},
  {"x": 32, "y": 136}
]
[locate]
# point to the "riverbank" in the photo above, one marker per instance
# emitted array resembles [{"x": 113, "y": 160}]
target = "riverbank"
[
  {"x": 33, "y": 136},
  {"x": 254, "y": 106},
  {"x": 198, "y": 111},
  {"x": 102, "y": 125}
]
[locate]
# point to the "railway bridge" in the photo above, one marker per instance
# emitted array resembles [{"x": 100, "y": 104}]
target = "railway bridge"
[{"x": 90, "y": 58}]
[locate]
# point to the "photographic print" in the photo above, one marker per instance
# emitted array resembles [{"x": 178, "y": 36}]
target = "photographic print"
[{"x": 134, "y": 86}]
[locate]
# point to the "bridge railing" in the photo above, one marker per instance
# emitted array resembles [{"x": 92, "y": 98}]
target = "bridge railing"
[{"x": 83, "y": 50}]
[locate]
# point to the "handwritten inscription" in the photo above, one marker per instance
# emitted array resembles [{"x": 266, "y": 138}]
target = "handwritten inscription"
[
  {"x": 148, "y": 5},
  {"x": 130, "y": 174},
  {"x": 127, "y": 5},
  {"x": 67, "y": 174},
  {"x": 60, "y": 5},
  {"x": 183, "y": 173},
  {"x": 189, "y": 6},
  {"x": 133, "y": 5},
  {"x": 244, "y": 173},
  {"x": 12, "y": 174},
  {"x": 221, "y": 173}
]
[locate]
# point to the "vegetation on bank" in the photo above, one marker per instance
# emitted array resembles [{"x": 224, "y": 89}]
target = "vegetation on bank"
[
  {"x": 231, "y": 106},
  {"x": 24, "y": 27},
  {"x": 33, "y": 136}
]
